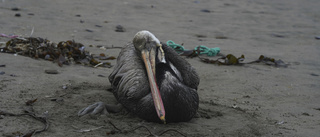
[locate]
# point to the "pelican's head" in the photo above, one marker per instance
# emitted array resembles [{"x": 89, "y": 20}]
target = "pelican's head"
[
  {"x": 142, "y": 38},
  {"x": 150, "y": 48}
]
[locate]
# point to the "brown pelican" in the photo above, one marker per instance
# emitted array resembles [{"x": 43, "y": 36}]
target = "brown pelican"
[{"x": 152, "y": 81}]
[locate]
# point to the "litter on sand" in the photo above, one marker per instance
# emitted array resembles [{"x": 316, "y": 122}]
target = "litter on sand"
[{"x": 63, "y": 53}]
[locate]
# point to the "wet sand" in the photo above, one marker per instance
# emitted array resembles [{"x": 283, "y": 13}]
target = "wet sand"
[{"x": 249, "y": 100}]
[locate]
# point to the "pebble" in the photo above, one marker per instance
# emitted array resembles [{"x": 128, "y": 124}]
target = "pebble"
[
  {"x": 306, "y": 114},
  {"x": 51, "y": 71},
  {"x": 2, "y": 72},
  {"x": 317, "y": 109},
  {"x": 119, "y": 28},
  {"x": 221, "y": 37},
  {"x": 200, "y": 36},
  {"x": 317, "y": 37},
  {"x": 64, "y": 87},
  {"x": 17, "y": 15},
  {"x": 57, "y": 99},
  {"x": 15, "y": 9},
  {"x": 205, "y": 10},
  {"x": 278, "y": 35},
  {"x": 89, "y": 30},
  {"x": 47, "y": 57}
]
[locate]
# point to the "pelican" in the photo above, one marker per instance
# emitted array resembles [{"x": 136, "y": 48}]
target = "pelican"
[{"x": 152, "y": 81}]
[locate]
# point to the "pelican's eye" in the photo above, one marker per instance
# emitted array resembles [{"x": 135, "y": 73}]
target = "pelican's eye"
[{"x": 139, "y": 44}]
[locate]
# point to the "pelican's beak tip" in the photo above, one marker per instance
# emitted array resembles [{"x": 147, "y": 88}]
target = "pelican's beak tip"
[{"x": 163, "y": 119}]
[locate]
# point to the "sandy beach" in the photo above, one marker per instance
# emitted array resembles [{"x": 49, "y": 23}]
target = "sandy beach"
[{"x": 245, "y": 101}]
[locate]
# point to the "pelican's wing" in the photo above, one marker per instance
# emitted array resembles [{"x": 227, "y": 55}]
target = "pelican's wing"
[
  {"x": 187, "y": 72},
  {"x": 129, "y": 79}
]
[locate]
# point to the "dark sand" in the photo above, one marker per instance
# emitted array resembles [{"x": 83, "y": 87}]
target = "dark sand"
[{"x": 250, "y": 100}]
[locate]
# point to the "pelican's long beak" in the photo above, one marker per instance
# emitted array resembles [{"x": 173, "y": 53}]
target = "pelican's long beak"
[{"x": 149, "y": 58}]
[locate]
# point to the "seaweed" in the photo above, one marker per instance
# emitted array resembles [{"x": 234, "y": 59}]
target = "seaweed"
[
  {"x": 63, "y": 53},
  {"x": 270, "y": 61},
  {"x": 230, "y": 59}
]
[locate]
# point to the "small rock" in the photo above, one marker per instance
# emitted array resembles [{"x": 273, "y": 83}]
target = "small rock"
[
  {"x": 64, "y": 87},
  {"x": 221, "y": 37},
  {"x": 89, "y": 30},
  {"x": 57, "y": 99},
  {"x": 2, "y": 72},
  {"x": 119, "y": 28},
  {"x": 51, "y": 71},
  {"x": 2, "y": 65},
  {"x": 17, "y": 15},
  {"x": 99, "y": 26},
  {"x": 317, "y": 37},
  {"x": 47, "y": 57},
  {"x": 312, "y": 74},
  {"x": 247, "y": 96},
  {"x": 306, "y": 114},
  {"x": 15, "y": 9},
  {"x": 205, "y": 10},
  {"x": 278, "y": 35},
  {"x": 200, "y": 36},
  {"x": 317, "y": 109}
]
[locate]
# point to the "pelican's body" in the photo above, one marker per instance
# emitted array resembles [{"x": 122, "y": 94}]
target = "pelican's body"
[
  {"x": 175, "y": 78},
  {"x": 152, "y": 81}
]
